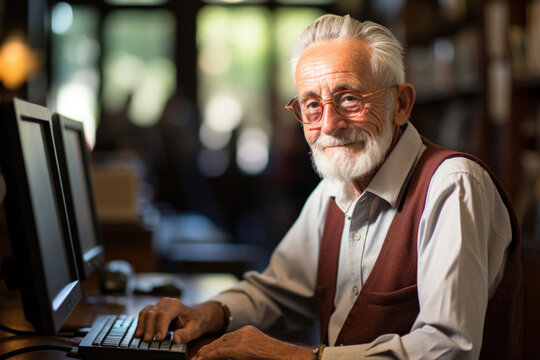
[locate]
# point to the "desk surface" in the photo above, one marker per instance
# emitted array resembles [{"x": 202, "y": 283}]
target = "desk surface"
[{"x": 195, "y": 289}]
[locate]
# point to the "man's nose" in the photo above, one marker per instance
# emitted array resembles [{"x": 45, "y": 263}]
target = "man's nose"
[{"x": 331, "y": 120}]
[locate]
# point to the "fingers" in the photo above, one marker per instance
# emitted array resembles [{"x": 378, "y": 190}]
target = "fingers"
[
  {"x": 185, "y": 334},
  {"x": 221, "y": 348},
  {"x": 163, "y": 317},
  {"x": 157, "y": 319},
  {"x": 192, "y": 322},
  {"x": 249, "y": 343},
  {"x": 142, "y": 320},
  {"x": 238, "y": 344}
]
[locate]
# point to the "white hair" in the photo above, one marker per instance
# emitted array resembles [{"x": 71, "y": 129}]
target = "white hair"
[{"x": 387, "y": 53}]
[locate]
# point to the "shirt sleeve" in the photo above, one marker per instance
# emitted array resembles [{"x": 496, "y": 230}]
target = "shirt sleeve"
[
  {"x": 282, "y": 297},
  {"x": 462, "y": 240}
]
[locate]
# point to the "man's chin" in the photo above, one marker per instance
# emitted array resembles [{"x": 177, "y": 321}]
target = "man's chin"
[
  {"x": 341, "y": 154},
  {"x": 345, "y": 171}
]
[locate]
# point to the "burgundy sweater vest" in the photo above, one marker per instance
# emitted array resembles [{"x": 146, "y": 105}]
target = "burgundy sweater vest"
[{"x": 388, "y": 301}]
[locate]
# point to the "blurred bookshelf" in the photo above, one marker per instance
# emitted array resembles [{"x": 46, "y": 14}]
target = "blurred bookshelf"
[
  {"x": 524, "y": 56},
  {"x": 444, "y": 62},
  {"x": 476, "y": 67}
]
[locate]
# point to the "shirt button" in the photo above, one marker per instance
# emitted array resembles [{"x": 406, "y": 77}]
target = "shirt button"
[
  {"x": 355, "y": 290},
  {"x": 357, "y": 236}
]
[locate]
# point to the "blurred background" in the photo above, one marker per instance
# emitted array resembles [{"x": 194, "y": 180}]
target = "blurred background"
[
  {"x": 182, "y": 103},
  {"x": 197, "y": 167}
]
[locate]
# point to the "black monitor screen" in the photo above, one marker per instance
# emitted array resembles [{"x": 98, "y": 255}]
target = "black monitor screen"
[
  {"x": 73, "y": 157},
  {"x": 81, "y": 200},
  {"x": 43, "y": 194},
  {"x": 42, "y": 264}
]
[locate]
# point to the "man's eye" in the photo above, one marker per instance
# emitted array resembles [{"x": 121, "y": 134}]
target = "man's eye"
[
  {"x": 311, "y": 104},
  {"x": 349, "y": 99}
]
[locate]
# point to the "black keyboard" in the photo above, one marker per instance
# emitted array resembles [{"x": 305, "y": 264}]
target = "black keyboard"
[{"x": 111, "y": 336}]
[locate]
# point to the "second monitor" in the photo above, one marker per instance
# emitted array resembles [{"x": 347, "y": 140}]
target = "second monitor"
[{"x": 74, "y": 163}]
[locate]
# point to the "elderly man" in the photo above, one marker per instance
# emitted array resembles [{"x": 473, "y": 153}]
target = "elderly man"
[{"x": 404, "y": 250}]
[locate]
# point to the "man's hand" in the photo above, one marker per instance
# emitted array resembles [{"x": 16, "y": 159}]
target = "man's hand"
[
  {"x": 188, "y": 323},
  {"x": 249, "y": 343}
]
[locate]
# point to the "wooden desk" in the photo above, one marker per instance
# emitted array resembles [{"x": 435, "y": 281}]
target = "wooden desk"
[{"x": 197, "y": 288}]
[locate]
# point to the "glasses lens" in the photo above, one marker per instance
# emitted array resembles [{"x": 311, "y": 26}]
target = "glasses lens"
[
  {"x": 308, "y": 109},
  {"x": 348, "y": 103}
]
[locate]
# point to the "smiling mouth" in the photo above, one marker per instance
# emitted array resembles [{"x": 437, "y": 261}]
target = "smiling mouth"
[
  {"x": 344, "y": 145},
  {"x": 344, "y": 141}
]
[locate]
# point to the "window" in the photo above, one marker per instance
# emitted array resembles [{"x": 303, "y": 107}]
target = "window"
[
  {"x": 75, "y": 72},
  {"x": 138, "y": 65},
  {"x": 137, "y": 51},
  {"x": 244, "y": 80}
]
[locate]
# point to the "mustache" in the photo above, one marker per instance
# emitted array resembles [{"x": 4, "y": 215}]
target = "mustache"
[{"x": 324, "y": 140}]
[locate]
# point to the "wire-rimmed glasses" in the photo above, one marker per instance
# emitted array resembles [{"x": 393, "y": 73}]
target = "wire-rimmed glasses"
[{"x": 347, "y": 103}]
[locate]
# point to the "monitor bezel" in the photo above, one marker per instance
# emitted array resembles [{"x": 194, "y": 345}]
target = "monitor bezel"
[
  {"x": 95, "y": 255},
  {"x": 27, "y": 259}
]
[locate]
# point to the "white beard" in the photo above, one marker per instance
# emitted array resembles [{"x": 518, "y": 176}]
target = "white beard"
[{"x": 343, "y": 164}]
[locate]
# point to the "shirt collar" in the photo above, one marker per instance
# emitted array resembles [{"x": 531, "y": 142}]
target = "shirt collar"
[
  {"x": 389, "y": 181},
  {"x": 391, "y": 177}
]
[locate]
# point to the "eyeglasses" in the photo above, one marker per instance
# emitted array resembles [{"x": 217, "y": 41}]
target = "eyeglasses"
[{"x": 347, "y": 103}]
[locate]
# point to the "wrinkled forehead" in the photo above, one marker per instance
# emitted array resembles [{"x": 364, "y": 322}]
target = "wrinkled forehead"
[
  {"x": 328, "y": 59},
  {"x": 352, "y": 55}
]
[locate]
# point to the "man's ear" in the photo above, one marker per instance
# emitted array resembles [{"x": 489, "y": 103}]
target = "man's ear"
[{"x": 404, "y": 103}]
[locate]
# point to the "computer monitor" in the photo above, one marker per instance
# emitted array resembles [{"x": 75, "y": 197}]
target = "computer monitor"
[
  {"x": 74, "y": 161},
  {"x": 42, "y": 263}
]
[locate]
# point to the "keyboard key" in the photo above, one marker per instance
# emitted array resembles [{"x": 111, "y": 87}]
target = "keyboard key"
[
  {"x": 178, "y": 347},
  {"x": 135, "y": 343},
  {"x": 129, "y": 335},
  {"x": 166, "y": 343},
  {"x": 103, "y": 332}
]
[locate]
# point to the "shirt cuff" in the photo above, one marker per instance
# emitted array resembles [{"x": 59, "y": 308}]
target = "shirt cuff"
[
  {"x": 235, "y": 301},
  {"x": 356, "y": 352}
]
